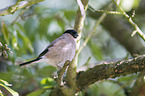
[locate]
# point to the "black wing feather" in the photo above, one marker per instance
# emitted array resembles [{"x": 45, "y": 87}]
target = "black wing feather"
[{"x": 45, "y": 51}]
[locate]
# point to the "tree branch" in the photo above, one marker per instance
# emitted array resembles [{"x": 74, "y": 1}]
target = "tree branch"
[
  {"x": 61, "y": 72},
  {"x": 137, "y": 29},
  {"x": 17, "y": 6},
  {"x": 79, "y": 23},
  {"x": 71, "y": 87},
  {"x": 101, "y": 18},
  {"x": 116, "y": 25},
  {"x": 104, "y": 71}
]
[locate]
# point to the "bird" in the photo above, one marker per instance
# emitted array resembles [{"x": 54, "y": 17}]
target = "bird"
[{"x": 58, "y": 51}]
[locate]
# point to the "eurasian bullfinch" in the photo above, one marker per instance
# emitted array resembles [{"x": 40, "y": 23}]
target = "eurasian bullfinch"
[{"x": 60, "y": 50}]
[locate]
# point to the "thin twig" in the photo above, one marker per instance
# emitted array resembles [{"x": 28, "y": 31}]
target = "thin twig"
[
  {"x": 61, "y": 72},
  {"x": 137, "y": 29},
  {"x": 93, "y": 31},
  {"x": 105, "y": 11},
  {"x": 17, "y": 6},
  {"x": 81, "y": 7},
  {"x": 79, "y": 23}
]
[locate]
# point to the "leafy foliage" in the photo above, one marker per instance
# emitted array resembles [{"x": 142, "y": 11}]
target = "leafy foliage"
[{"x": 29, "y": 33}]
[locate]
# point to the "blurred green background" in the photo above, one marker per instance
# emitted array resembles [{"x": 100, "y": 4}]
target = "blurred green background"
[{"x": 29, "y": 30}]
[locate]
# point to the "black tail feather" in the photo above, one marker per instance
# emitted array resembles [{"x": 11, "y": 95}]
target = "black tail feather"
[{"x": 29, "y": 62}]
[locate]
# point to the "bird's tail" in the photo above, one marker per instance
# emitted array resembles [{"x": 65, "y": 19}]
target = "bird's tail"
[{"x": 29, "y": 62}]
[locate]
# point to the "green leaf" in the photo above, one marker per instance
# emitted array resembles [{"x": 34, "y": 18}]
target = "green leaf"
[
  {"x": 105, "y": 88},
  {"x": 26, "y": 42},
  {"x": 30, "y": 26},
  {"x": 5, "y": 32},
  {"x": 46, "y": 92},
  {"x": 14, "y": 93},
  {"x": 136, "y": 3},
  {"x": 47, "y": 82},
  {"x": 5, "y": 82},
  {"x": 43, "y": 26},
  {"x": 20, "y": 27},
  {"x": 59, "y": 22},
  {"x": 14, "y": 40},
  {"x": 69, "y": 15},
  {"x": 44, "y": 71},
  {"x": 36, "y": 93},
  {"x": 1, "y": 94},
  {"x": 6, "y": 75},
  {"x": 96, "y": 51},
  {"x": 128, "y": 78},
  {"x": 27, "y": 72}
]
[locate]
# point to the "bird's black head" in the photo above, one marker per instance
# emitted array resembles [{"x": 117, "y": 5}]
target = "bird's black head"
[{"x": 72, "y": 32}]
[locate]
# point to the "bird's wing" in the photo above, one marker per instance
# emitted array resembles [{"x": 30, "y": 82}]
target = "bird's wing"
[{"x": 55, "y": 44}]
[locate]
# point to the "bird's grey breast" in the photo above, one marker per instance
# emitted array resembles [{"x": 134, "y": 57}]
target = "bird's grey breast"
[{"x": 62, "y": 49}]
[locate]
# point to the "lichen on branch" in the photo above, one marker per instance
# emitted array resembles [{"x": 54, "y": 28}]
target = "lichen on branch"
[{"x": 115, "y": 69}]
